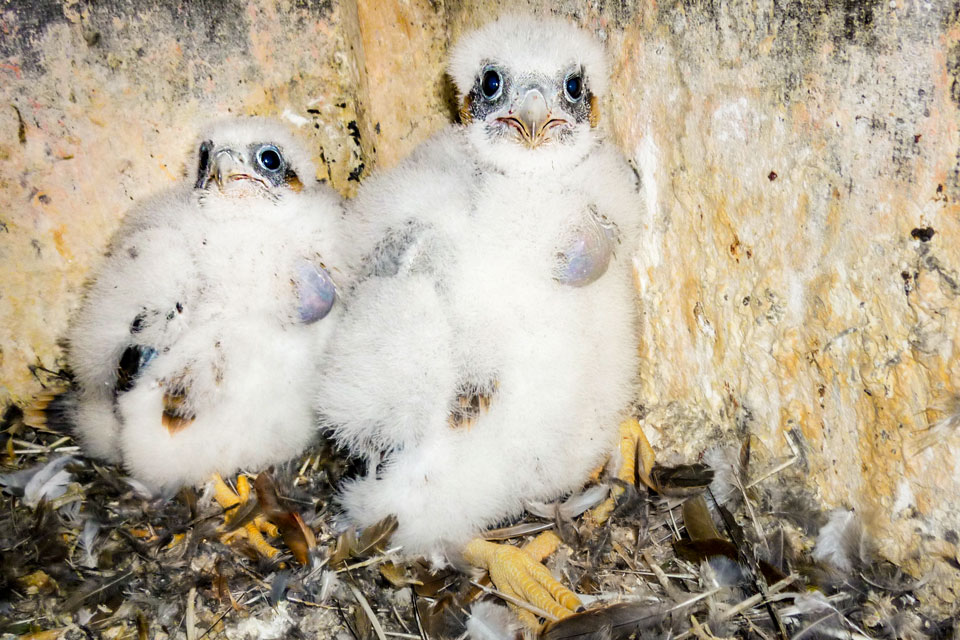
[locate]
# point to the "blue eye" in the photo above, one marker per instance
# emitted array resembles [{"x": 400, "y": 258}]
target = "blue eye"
[
  {"x": 490, "y": 84},
  {"x": 269, "y": 158},
  {"x": 573, "y": 87}
]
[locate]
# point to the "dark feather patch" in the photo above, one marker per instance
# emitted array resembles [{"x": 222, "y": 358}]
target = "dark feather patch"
[
  {"x": 203, "y": 165},
  {"x": 614, "y": 622},
  {"x": 471, "y": 403},
  {"x": 133, "y": 359},
  {"x": 298, "y": 537},
  {"x": 681, "y": 480},
  {"x": 373, "y": 540}
]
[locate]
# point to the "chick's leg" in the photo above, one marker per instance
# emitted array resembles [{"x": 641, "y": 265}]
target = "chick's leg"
[
  {"x": 252, "y": 531},
  {"x": 636, "y": 461},
  {"x": 518, "y": 573}
]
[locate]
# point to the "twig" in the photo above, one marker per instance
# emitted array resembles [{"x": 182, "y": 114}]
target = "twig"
[
  {"x": 673, "y": 521},
  {"x": 505, "y": 533},
  {"x": 694, "y": 599},
  {"x": 619, "y": 551},
  {"x": 749, "y": 603},
  {"x": 308, "y": 603},
  {"x": 699, "y": 629},
  {"x": 416, "y": 615},
  {"x": 119, "y": 578},
  {"x": 662, "y": 578},
  {"x": 215, "y": 623},
  {"x": 749, "y": 560},
  {"x": 191, "y": 621},
  {"x": 366, "y": 609},
  {"x": 366, "y": 563},
  {"x": 27, "y": 452},
  {"x": 757, "y": 630},
  {"x": 301, "y": 478},
  {"x": 675, "y": 576},
  {"x": 537, "y": 611},
  {"x": 780, "y": 467},
  {"x": 757, "y": 598},
  {"x": 396, "y": 614}
]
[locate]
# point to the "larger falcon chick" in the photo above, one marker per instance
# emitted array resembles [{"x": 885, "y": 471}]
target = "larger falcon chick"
[
  {"x": 195, "y": 345},
  {"x": 490, "y": 354}
]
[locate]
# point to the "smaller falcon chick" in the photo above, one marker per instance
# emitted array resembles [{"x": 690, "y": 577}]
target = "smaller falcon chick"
[{"x": 194, "y": 349}]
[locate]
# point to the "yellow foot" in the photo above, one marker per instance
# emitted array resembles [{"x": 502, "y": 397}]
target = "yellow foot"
[
  {"x": 636, "y": 462},
  {"x": 518, "y": 574},
  {"x": 252, "y": 531}
]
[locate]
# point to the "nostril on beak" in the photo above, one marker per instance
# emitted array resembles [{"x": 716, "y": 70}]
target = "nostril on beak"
[{"x": 533, "y": 111}]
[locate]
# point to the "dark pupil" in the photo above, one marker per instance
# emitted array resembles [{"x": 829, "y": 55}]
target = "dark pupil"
[
  {"x": 270, "y": 159},
  {"x": 574, "y": 87},
  {"x": 490, "y": 84}
]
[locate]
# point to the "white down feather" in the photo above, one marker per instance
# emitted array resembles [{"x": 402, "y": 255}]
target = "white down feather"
[
  {"x": 211, "y": 279},
  {"x": 460, "y": 294}
]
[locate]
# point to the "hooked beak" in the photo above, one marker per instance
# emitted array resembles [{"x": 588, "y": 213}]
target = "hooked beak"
[
  {"x": 532, "y": 118},
  {"x": 225, "y": 166},
  {"x": 228, "y": 165}
]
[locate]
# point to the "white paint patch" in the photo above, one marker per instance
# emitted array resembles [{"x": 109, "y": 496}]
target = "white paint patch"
[
  {"x": 735, "y": 121},
  {"x": 649, "y": 253},
  {"x": 295, "y": 118},
  {"x": 795, "y": 297},
  {"x": 905, "y": 498}
]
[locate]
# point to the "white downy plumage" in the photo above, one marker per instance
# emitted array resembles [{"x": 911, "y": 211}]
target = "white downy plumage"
[
  {"x": 489, "y": 354},
  {"x": 195, "y": 346}
]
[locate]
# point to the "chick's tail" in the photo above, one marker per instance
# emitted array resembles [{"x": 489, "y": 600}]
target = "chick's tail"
[{"x": 53, "y": 409}]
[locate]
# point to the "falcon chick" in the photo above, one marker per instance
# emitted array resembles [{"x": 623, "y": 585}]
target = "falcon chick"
[
  {"x": 195, "y": 345},
  {"x": 489, "y": 355}
]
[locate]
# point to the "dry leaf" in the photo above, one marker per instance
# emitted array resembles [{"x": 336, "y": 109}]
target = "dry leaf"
[
  {"x": 397, "y": 575},
  {"x": 697, "y": 519}
]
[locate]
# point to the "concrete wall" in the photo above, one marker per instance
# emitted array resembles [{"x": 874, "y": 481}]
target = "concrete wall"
[{"x": 800, "y": 267}]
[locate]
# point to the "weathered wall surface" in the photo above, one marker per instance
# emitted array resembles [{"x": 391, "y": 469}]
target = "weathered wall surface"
[
  {"x": 800, "y": 267},
  {"x": 799, "y": 275}
]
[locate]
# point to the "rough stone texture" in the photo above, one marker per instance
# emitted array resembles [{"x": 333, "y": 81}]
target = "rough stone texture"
[{"x": 799, "y": 272}]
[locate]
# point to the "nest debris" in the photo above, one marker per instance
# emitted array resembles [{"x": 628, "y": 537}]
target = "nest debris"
[{"x": 88, "y": 553}]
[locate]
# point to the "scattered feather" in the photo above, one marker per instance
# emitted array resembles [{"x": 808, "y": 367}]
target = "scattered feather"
[
  {"x": 278, "y": 587},
  {"x": 727, "y": 473},
  {"x": 87, "y": 543},
  {"x": 721, "y": 571},
  {"x": 374, "y": 539},
  {"x": 572, "y": 506},
  {"x": 681, "y": 480},
  {"x": 140, "y": 489},
  {"x": 516, "y": 531},
  {"x": 47, "y": 482},
  {"x": 329, "y": 583},
  {"x": 612, "y": 622},
  {"x": 841, "y": 542},
  {"x": 84, "y": 616},
  {"x": 490, "y": 621}
]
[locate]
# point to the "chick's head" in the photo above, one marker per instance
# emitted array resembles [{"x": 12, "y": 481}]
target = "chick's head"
[{"x": 529, "y": 89}]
